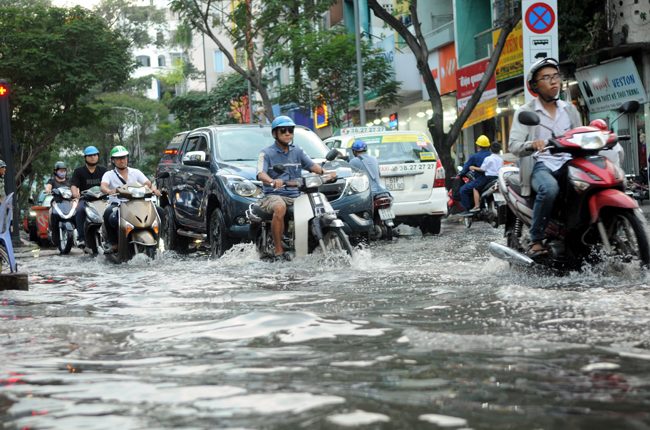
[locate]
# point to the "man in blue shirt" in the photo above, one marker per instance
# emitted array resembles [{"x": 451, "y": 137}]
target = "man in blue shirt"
[
  {"x": 367, "y": 163},
  {"x": 476, "y": 160},
  {"x": 277, "y": 196}
]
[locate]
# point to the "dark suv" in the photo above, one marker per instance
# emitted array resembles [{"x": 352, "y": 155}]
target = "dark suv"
[{"x": 211, "y": 182}]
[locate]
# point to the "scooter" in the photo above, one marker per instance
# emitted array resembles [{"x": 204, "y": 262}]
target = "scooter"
[
  {"x": 453, "y": 194},
  {"x": 96, "y": 204},
  {"x": 63, "y": 209},
  {"x": 310, "y": 223},
  {"x": 593, "y": 217},
  {"x": 138, "y": 229},
  {"x": 489, "y": 204},
  {"x": 384, "y": 217}
]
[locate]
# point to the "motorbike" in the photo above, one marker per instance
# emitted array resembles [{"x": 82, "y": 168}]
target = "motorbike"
[
  {"x": 592, "y": 219},
  {"x": 453, "y": 195},
  {"x": 138, "y": 230},
  {"x": 7, "y": 257},
  {"x": 490, "y": 202},
  {"x": 96, "y": 204},
  {"x": 311, "y": 222},
  {"x": 63, "y": 208},
  {"x": 636, "y": 186},
  {"x": 383, "y": 218}
]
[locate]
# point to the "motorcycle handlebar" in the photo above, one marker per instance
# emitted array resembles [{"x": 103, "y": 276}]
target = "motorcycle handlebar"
[{"x": 624, "y": 137}]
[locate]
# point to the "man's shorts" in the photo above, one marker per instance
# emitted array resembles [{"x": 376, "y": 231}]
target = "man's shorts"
[{"x": 269, "y": 202}]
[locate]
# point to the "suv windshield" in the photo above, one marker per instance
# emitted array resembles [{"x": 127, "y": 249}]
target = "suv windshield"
[
  {"x": 245, "y": 144},
  {"x": 400, "y": 149}
]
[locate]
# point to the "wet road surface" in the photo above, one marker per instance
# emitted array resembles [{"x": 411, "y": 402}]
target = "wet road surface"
[{"x": 424, "y": 332}]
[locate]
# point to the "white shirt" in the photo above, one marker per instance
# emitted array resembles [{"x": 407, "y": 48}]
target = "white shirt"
[
  {"x": 492, "y": 164},
  {"x": 560, "y": 124},
  {"x": 113, "y": 180}
]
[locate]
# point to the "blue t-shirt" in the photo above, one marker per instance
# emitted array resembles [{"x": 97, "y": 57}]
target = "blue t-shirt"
[
  {"x": 369, "y": 164},
  {"x": 294, "y": 160},
  {"x": 475, "y": 159}
]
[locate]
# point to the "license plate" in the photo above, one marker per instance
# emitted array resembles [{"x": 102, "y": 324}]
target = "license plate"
[
  {"x": 394, "y": 183},
  {"x": 498, "y": 197},
  {"x": 385, "y": 214}
]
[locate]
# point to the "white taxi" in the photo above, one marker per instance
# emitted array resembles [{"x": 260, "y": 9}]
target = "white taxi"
[{"x": 410, "y": 169}]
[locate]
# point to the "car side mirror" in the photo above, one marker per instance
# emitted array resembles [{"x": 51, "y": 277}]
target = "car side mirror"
[
  {"x": 163, "y": 175},
  {"x": 528, "y": 118},
  {"x": 196, "y": 158},
  {"x": 332, "y": 154}
]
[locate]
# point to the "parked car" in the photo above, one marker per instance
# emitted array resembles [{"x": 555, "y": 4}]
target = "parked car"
[
  {"x": 209, "y": 185},
  {"x": 36, "y": 219},
  {"x": 410, "y": 169},
  {"x": 170, "y": 152}
]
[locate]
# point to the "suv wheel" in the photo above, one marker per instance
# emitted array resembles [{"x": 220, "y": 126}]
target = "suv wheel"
[
  {"x": 219, "y": 240},
  {"x": 430, "y": 224},
  {"x": 173, "y": 242}
]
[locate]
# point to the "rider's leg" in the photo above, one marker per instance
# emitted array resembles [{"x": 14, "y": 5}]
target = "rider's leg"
[
  {"x": 476, "y": 198},
  {"x": 277, "y": 225},
  {"x": 545, "y": 185},
  {"x": 80, "y": 219}
]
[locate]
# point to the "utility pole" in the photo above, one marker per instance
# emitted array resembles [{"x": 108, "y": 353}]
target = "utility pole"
[
  {"x": 7, "y": 153},
  {"x": 357, "y": 43}
]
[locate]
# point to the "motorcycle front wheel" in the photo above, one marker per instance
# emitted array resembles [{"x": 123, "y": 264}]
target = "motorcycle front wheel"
[
  {"x": 337, "y": 240},
  {"x": 65, "y": 241},
  {"x": 627, "y": 236},
  {"x": 5, "y": 266}
]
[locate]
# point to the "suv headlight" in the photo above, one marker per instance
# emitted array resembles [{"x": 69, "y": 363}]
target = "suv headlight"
[
  {"x": 358, "y": 182},
  {"x": 243, "y": 187}
]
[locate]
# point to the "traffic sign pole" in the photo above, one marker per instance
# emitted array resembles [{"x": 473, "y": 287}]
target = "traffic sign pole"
[{"x": 7, "y": 154}]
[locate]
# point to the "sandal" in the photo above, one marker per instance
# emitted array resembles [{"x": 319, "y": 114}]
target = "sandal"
[{"x": 536, "y": 249}]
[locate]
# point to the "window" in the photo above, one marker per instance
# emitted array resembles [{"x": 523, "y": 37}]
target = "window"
[
  {"x": 161, "y": 61},
  {"x": 218, "y": 62},
  {"x": 143, "y": 60}
]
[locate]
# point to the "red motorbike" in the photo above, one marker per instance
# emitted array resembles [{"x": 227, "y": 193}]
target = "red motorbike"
[{"x": 592, "y": 219}]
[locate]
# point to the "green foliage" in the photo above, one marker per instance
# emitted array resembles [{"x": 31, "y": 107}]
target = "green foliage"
[
  {"x": 581, "y": 34},
  {"x": 133, "y": 21},
  {"x": 56, "y": 59},
  {"x": 330, "y": 65},
  {"x": 199, "y": 109}
]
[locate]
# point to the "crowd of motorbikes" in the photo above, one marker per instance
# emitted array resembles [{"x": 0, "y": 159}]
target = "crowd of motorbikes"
[{"x": 596, "y": 216}]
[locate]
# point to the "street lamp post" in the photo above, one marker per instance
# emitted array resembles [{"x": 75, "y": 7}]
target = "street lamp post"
[
  {"x": 136, "y": 115},
  {"x": 357, "y": 43}
]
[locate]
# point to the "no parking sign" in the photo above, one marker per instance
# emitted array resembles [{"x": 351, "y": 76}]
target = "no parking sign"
[{"x": 539, "y": 33}]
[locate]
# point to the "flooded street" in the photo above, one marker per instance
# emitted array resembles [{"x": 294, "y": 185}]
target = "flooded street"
[{"x": 421, "y": 333}]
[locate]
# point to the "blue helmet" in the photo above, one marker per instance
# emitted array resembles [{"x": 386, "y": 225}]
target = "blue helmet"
[
  {"x": 90, "y": 150},
  {"x": 282, "y": 121},
  {"x": 359, "y": 146}
]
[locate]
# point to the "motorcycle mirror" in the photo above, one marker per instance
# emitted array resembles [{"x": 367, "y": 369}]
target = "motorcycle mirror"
[
  {"x": 332, "y": 154},
  {"x": 630, "y": 106},
  {"x": 163, "y": 175},
  {"x": 279, "y": 168},
  {"x": 528, "y": 118}
]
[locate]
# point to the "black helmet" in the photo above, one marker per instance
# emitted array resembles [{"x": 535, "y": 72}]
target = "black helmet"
[
  {"x": 59, "y": 165},
  {"x": 537, "y": 65}
]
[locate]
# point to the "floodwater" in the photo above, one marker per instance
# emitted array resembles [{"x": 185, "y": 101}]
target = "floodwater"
[{"x": 421, "y": 333}]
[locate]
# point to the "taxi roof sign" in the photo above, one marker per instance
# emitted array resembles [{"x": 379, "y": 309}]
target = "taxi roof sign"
[{"x": 356, "y": 130}]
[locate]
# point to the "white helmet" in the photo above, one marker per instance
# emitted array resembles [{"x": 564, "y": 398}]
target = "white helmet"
[{"x": 537, "y": 65}]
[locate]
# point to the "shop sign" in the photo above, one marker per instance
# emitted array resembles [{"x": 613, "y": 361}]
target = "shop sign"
[
  {"x": 468, "y": 79},
  {"x": 607, "y": 86},
  {"x": 511, "y": 61}
]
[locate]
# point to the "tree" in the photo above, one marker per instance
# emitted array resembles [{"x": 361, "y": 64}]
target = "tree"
[
  {"x": 134, "y": 22},
  {"x": 55, "y": 58},
  {"x": 200, "y": 109},
  {"x": 330, "y": 60},
  {"x": 417, "y": 43},
  {"x": 582, "y": 34}
]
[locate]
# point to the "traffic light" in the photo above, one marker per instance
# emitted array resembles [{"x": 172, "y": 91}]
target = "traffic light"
[{"x": 4, "y": 89}]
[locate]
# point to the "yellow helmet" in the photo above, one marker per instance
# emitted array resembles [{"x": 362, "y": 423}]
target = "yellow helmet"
[{"x": 483, "y": 141}]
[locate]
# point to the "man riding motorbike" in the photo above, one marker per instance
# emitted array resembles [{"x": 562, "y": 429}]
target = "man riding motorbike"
[
  {"x": 120, "y": 175},
  {"x": 490, "y": 169},
  {"x": 540, "y": 169},
  {"x": 277, "y": 196},
  {"x": 476, "y": 159},
  {"x": 367, "y": 163},
  {"x": 83, "y": 178},
  {"x": 59, "y": 177}
]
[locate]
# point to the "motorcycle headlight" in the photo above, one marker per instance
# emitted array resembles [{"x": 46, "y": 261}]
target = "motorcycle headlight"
[
  {"x": 359, "y": 182},
  {"x": 591, "y": 140},
  {"x": 66, "y": 193},
  {"x": 137, "y": 192},
  {"x": 32, "y": 214},
  {"x": 243, "y": 187},
  {"x": 313, "y": 181}
]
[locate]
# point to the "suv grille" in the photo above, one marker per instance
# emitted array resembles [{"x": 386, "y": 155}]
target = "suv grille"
[{"x": 334, "y": 190}]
